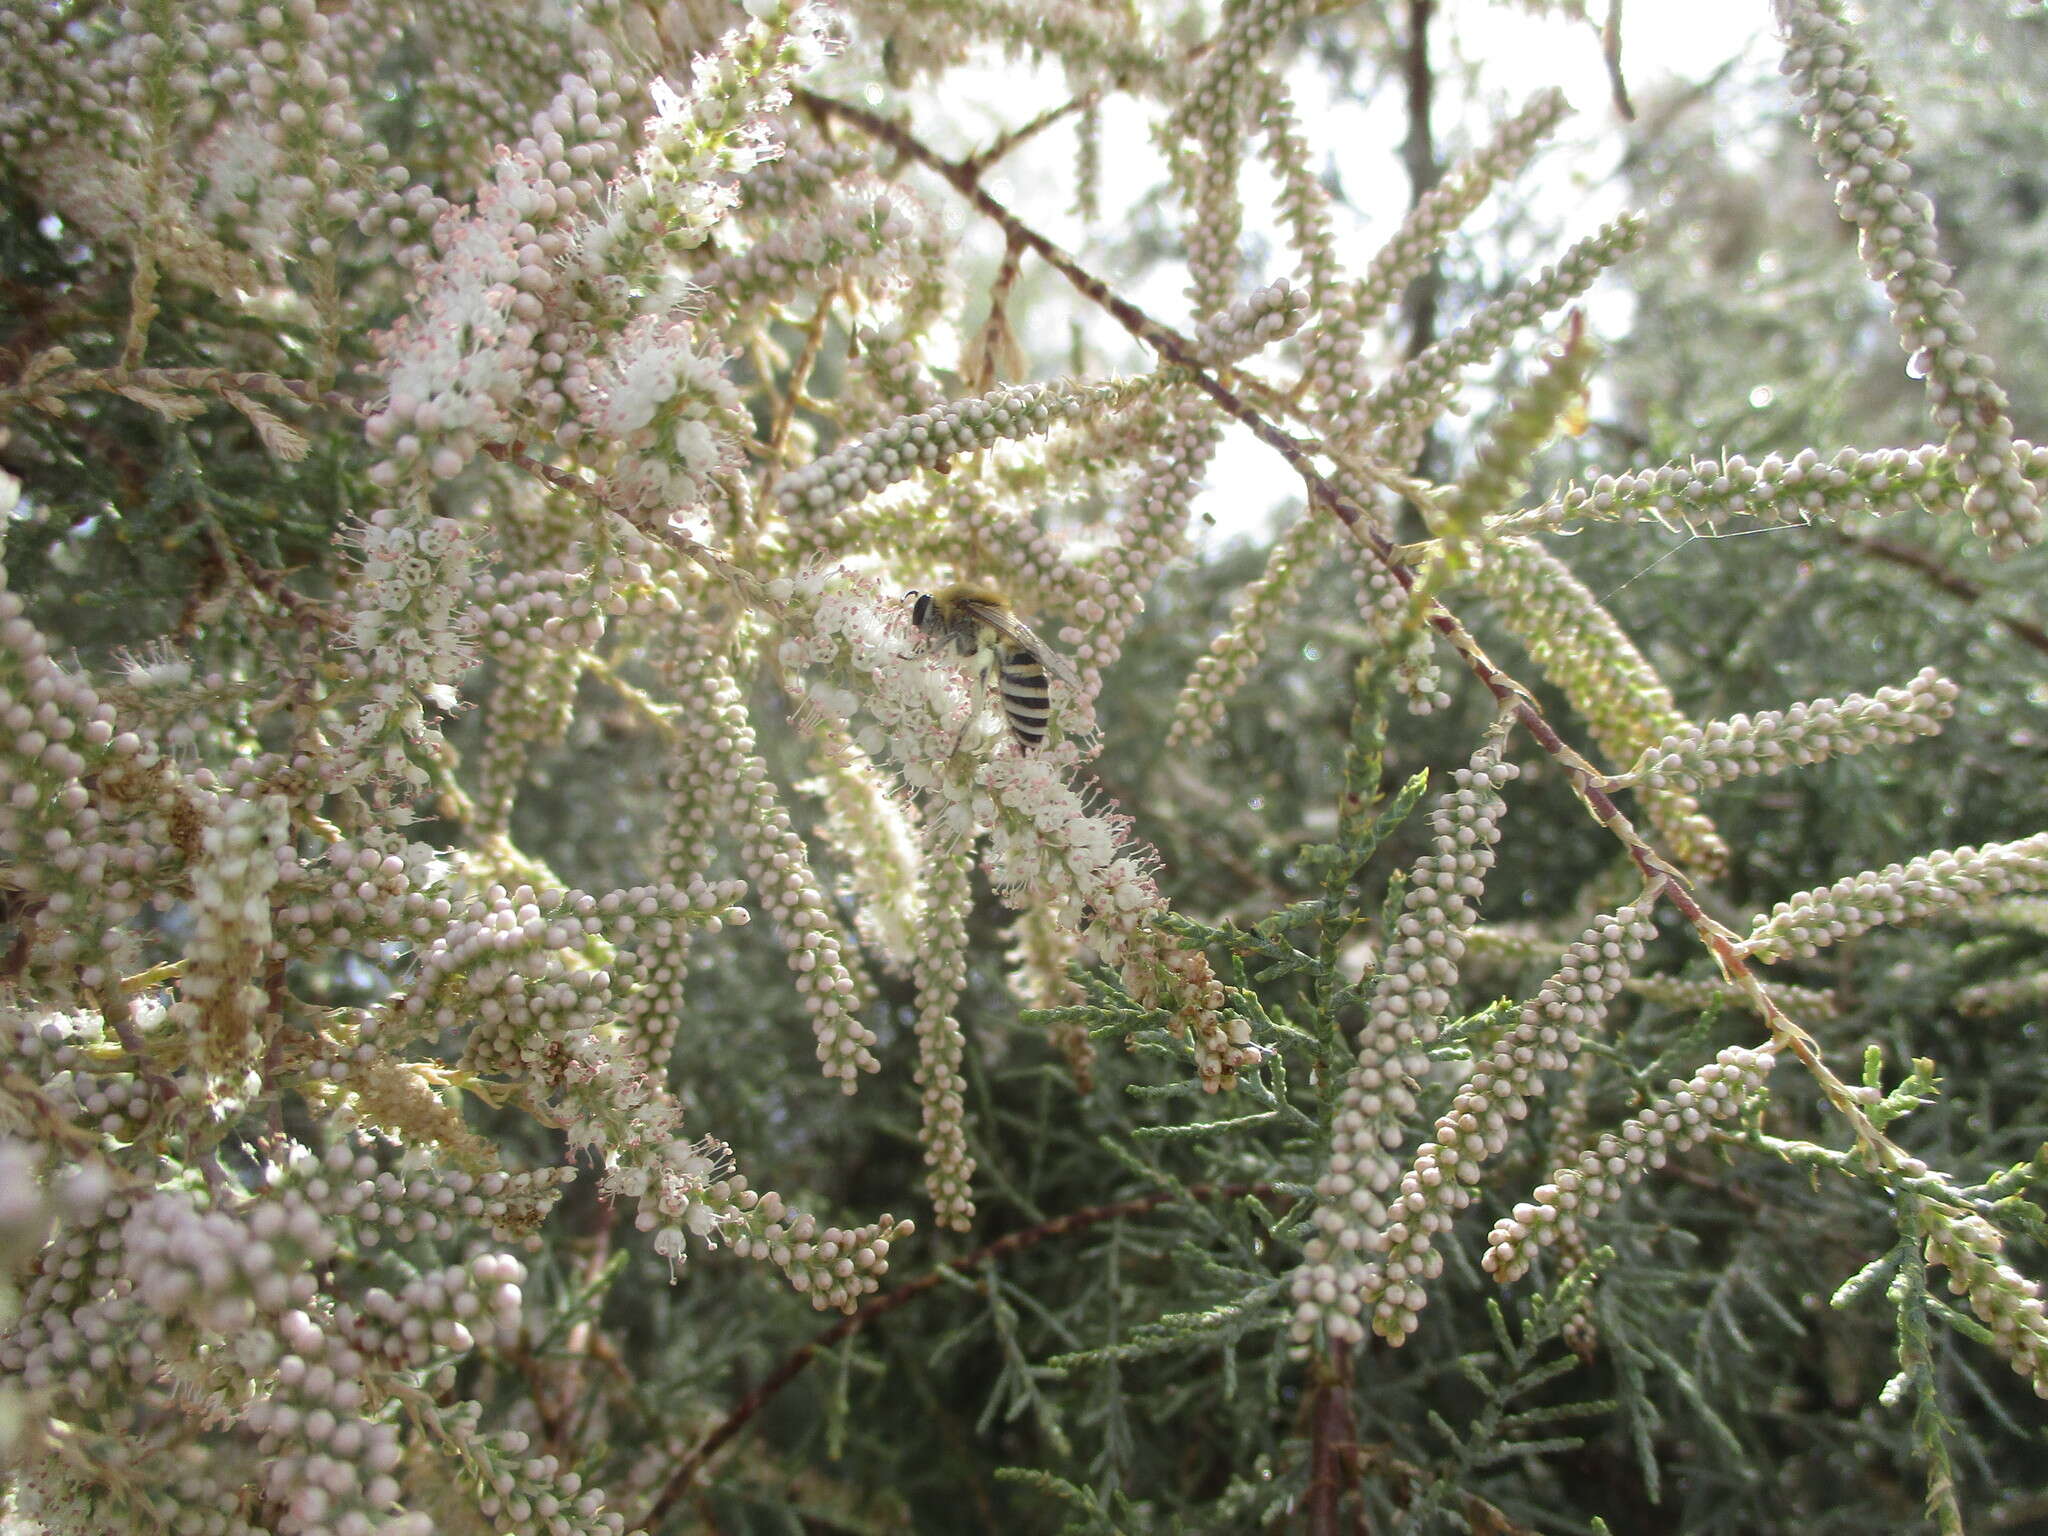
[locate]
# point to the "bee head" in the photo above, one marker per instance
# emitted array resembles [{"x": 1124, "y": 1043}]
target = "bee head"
[{"x": 920, "y": 608}]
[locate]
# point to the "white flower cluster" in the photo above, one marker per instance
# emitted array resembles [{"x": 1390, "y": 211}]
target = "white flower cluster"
[
  {"x": 1253, "y": 323},
  {"x": 1447, "y": 1168},
  {"x": 1337, "y": 365},
  {"x": 1403, "y": 1015},
  {"x": 1153, "y": 532},
  {"x": 2005, "y": 1301},
  {"x": 1387, "y": 610},
  {"x": 1706, "y": 495},
  {"x": 660, "y": 413},
  {"x": 456, "y": 365},
  {"x": 1574, "y": 1195},
  {"x": 881, "y": 458},
  {"x": 1047, "y": 849},
  {"x": 917, "y": 706},
  {"x": 876, "y": 836},
  {"x": 1418, "y": 391},
  {"x": 222, "y": 1004},
  {"x": 411, "y": 623},
  {"x": 573, "y": 147},
  {"x": 1228, "y": 663},
  {"x": 682, "y": 182},
  {"x": 527, "y": 308},
  {"x": 940, "y": 970},
  {"x": 807, "y": 171},
  {"x": 1860, "y": 140},
  {"x": 1773, "y": 740},
  {"x": 1899, "y": 893},
  {"x": 1045, "y": 845},
  {"x": 1611, "y": 685},
  {"x": 720, "y": 775}
]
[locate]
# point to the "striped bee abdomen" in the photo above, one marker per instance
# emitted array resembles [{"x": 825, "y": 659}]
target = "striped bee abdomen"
[{"x": 1027, "y": 702}]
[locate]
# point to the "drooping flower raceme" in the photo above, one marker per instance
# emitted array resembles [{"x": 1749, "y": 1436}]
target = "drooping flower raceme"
[
  {"x": 1045, "y": 843},
  {"x": 1340, "y": 1266},
  {"x": 1447, "y": 1168},
  {"x": 1678, "y": 1119},
  {"x": 1860, "y": 139}
]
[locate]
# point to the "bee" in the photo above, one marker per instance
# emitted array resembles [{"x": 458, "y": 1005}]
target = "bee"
[{"x": 977, "y": 622}]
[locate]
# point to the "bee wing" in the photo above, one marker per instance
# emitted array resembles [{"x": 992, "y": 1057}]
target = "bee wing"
[
  {"x": 1015, "y": 630},
  {"x": 1059, "y": 667}
]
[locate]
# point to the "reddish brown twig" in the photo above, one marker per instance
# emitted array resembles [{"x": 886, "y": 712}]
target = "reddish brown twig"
[
  {"x": 1333, "y": 1449},
  {"x": 1940, "y": 576}
]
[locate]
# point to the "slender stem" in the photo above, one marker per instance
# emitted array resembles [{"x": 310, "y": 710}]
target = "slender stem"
[
  {"x": 1610, "y": 52},
  {"x": 785, "y": 408},
  {"x": 1418, "y": 155},
  {"x": 1333, "y": 1449},
  {"x": 983, "y": 158}
]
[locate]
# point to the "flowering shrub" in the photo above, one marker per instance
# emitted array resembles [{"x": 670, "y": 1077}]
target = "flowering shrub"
[{"x": 511, "y": 380}]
